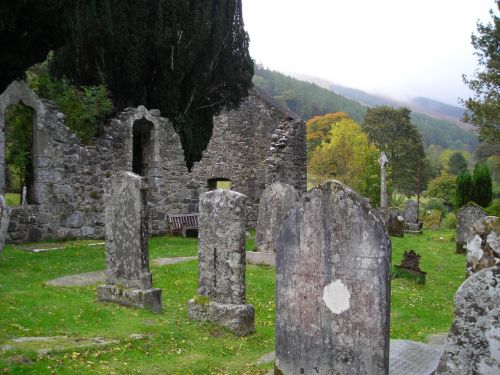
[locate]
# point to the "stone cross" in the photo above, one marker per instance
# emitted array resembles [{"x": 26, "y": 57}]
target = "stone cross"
[
  {"x": 275, "y": 203},
  {"x": 128, "y": 279},
  {"x": 221, "y": 263},
  {"x": 383, "y": 177},
  {"x": 467, "y": 216},
  {"x": 333, "y": 286}
]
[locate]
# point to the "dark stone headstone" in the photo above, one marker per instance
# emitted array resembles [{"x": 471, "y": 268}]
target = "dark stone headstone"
[
  {"x": 410, "y": 267},
  {"x": 221, "y": 263},
  {"x": 483, "y": 249},
  {"x": 275, "y": 203},
  {"x": 394, "y": 221},
  {"x": 333, "y": 286},
  {"x": 128, "y": 280},
  {"x": 473, "y": 345},
  {"x": 467, "y": 216}
]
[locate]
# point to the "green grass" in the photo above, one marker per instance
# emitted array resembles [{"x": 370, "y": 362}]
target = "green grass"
[
  {"x": 12, "y": 199},
  {"x": 177, "y": 345}
]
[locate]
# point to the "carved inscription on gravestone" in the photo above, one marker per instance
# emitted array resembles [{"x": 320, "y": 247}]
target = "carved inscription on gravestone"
[{"x": 333, "y": 286}]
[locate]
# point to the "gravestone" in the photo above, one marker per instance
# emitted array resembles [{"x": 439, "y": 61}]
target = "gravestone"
[
  {"x": 432, "y": 219},
  {"x": 221, "y": 263},
  {"x": 393, "y": 220},
  {"x": 410, "y": 268},
  {"x": 411, "y": 217},
  {"x": 275, "y": 203},
  {"x": 128, "y": 279},
  {"x": 4, "y": 221},
  {"x": 332, "y": 286},
  {"x": 467, "y": 216},
  {"x": 483, "y": 250},
  {"x": 473, "y": 344}
]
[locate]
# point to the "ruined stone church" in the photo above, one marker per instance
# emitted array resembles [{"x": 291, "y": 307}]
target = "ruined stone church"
[{"x": 251, "y": 147}]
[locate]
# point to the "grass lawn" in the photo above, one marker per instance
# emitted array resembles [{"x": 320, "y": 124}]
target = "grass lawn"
[
  {"x": 13, "y": 199},
  {"x": 177, "y": 345}
]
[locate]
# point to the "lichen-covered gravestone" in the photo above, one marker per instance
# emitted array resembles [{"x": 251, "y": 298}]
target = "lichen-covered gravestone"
[
  {"x": 128, "y": 279},
  {"x": 4, "y": 221},
  {"x": 473, "y": 344},
  {"x": 221, "y": 263},
  {"x": 483, "y": 249},
  {"x": 467, "y": 216},
  {"x": 432, "y": 219},
  {"x": 332, "y": 286},
  {"x": 275, "y": 203}
]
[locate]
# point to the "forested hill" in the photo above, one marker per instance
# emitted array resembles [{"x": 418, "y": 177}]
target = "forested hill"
[{"x": 308, "y": 100}]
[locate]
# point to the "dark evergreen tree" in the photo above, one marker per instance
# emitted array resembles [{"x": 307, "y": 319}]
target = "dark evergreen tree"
[
  {"x": 187, "y": 58},
  {"x": 391, "y": 131},
  {"x": 457, "y": 163},
  {"x": 29, "y": 29},
  {"x": 463, "y": 193},
  {"x": 481, "y": 185}
]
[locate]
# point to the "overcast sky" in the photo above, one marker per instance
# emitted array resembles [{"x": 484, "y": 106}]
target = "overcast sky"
[{"x": 399, "y": 48}]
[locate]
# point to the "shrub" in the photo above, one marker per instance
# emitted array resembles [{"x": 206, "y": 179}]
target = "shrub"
[
  {"x": 450, "y": 221},
  {"x": 494, "y": 208},
  {"x": 435, "y": 204},
  {"x": 464, "y": 189},
  {"x": 482, "y": 185}
]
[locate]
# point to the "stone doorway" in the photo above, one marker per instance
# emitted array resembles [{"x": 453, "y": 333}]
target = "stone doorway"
[
  {"x": 19, "y": 170},
  {"x": 142, "y": 147}
]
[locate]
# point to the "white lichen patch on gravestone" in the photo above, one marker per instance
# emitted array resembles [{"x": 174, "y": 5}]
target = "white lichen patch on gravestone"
[{"x": 337, "y": 297}]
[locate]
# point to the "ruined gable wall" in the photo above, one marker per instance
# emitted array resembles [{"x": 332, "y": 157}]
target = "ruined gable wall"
[
  {"x": 70, "y": 177},
  {"x": 253, "y": 146}
]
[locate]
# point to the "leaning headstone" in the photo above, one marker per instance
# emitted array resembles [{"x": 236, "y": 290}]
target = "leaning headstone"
[
  {"x": 473, "y": 344},
  {"x": 483, "y": 250},
  {"x": 221, "y": 263},
  {"x": 4, "y": 221},
  {"x": 394, "y": 221},
  {"x": 332, "y": 286},
  {"x": 467, "y": 216},
  {"x": 275, "y": 203},
  {"x": 128, "y": 279}
]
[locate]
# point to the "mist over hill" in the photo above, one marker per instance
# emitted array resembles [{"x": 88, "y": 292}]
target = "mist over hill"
[{"x": 309, "y": 99}]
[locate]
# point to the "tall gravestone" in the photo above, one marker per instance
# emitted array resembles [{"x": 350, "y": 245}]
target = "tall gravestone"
[
  {"x": 221, "y": 263},
  {"x": 275, "y": 203},
  {"x": 483, "y": 249},
  {"x": 383, "y": 177},
  {"x": 128, "y": 279},
  {"x": 467, "y": 216},
  {"x": 4, "y": 221},
  {"x": 332, "y": 286},
  {"x": 411, "y": 217},
  {"x": 473, "y": 344}
]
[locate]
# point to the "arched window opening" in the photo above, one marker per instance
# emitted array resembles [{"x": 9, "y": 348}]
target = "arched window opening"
[
  {"x": 142, "y": 147},
  {"x": 19, "y": 168}
]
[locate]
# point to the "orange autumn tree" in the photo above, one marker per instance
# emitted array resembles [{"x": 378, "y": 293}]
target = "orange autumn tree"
[
  {"x": 346, "y": 154},
  {"x": 318, "y": 128}
]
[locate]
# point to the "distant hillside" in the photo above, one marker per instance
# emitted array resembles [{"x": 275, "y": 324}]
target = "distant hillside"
[
  {"x": 308, "y": 100},
  {"x": 437, "y": 108}
]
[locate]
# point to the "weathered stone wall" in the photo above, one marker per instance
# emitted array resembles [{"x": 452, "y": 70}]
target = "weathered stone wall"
[
  {"x": 253, "y": 146},
  {"x": 70, "y": 177}
]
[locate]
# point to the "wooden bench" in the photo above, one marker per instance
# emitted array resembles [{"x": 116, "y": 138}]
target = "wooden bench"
[{"x": 181, "y": 223}]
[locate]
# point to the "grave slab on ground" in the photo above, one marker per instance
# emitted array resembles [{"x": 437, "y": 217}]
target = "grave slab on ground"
[
  {"x": 128, "y": 279},
  {"x": 221, "y": 263},
  {"x": 333, "y": 286}
]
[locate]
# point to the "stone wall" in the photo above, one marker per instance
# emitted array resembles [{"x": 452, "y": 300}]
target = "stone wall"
[
  {"x": 253, "y": 146},
  {"x": 70, "y": 177}
]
